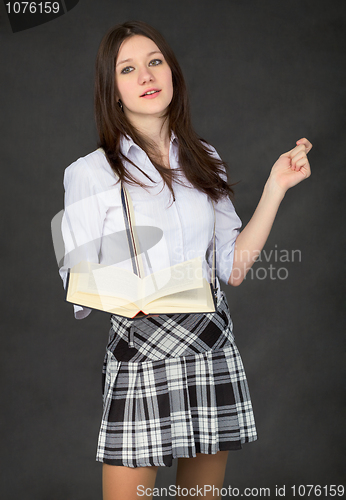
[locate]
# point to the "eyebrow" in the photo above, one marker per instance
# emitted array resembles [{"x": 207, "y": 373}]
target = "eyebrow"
[{"x": 128, "y": 60}]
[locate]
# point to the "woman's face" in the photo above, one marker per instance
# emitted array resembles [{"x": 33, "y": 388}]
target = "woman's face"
[{"x": 143, "y": 79}]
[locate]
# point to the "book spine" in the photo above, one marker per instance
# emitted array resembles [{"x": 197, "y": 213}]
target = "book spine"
[{"x": 67, "y": 283}]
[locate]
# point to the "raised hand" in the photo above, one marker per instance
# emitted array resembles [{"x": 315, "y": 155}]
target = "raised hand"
[{"x": 292, "y": 167}]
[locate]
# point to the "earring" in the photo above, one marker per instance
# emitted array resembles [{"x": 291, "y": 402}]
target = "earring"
[{"x": 120, "y": 104}]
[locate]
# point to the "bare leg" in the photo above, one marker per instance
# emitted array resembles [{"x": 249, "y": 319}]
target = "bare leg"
[
  {"x": 120, "y": 483},
  {"x": 202, "y": 470}
]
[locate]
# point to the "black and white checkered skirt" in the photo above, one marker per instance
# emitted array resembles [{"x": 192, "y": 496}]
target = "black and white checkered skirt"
[{"x": 174, "y": 386}]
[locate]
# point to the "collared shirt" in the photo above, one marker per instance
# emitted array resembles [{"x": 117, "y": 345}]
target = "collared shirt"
[{"x": 169, "y": 231}]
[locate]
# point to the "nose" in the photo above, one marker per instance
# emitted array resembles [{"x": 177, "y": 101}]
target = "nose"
[{"x": 145, "y": 75}]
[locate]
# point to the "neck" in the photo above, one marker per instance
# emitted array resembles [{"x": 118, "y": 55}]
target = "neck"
[{"x": 156, "y": 130}]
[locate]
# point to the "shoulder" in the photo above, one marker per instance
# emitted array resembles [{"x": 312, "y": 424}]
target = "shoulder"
[
  {"x": 210, "y": 149},
  {"x": 92, "y": 169},
  {"x": 215, "y": 155}
]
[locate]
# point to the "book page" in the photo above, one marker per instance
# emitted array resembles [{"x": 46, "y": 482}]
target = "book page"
[
  {"x": 184, "y": 276},
  {"x": 117, "y": 282},
  {"x": 80, "y": 278},
  {"x": 108, "y": 304},
  {"x": 195, "y": 300},
  {"x": 108, "y": 287},
  {"x": 105, "y": 281}
]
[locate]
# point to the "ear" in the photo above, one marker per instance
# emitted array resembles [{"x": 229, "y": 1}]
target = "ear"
[{"x": 117, "y": 98}]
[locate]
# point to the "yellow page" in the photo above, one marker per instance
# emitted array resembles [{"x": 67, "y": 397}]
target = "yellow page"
[
  {"x": 195, "y": 300},
  {"x": 105, "y": 281},
  {"x": 117, "y": 282},
  {"x": 187, "y": 275}
]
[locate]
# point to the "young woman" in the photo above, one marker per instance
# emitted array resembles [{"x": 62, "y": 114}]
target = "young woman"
[{"x": 174, "y": 385}]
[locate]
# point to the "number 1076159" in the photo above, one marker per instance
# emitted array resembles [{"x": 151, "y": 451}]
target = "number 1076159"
[
  {"x": 33, "y": 7},
  {"x": 317, "y": 491}
]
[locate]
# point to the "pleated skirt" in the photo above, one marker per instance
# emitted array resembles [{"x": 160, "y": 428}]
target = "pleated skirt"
[{"x": 173, "y": 386}]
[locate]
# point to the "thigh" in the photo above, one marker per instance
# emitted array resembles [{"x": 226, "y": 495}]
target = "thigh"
[
  {"x": 202, "y": 470},
  {"x": 120, "y": 483}
]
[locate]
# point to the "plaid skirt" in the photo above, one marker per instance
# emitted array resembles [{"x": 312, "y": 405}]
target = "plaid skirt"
[{"x": 173, "y": 386}]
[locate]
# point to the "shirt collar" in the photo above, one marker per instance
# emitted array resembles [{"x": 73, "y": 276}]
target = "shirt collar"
[{"x": 126, "y": 143}]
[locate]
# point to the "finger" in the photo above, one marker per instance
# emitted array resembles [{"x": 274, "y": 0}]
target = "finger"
[
  {"x": 301, "y": 154},
  {"x": 295, "y": 151},
  {"x": 303, "y": 167},
  {"x": 306, "y": 143},
  {"x": 301, "y": 143},
  {"x": 303, "y": 162}
]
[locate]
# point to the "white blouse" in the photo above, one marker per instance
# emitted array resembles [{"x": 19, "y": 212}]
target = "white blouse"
[{"x": 169, "y": 232}]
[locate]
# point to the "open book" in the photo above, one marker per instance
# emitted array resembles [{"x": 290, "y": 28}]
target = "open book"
[{"x": 177, "y": 289}]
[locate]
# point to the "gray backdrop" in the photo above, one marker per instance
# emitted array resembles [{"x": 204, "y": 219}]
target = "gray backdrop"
[{"x": 261, "y": 74}]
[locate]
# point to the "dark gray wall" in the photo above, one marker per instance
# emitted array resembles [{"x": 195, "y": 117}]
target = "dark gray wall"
[{"x": 261, "y": 74}]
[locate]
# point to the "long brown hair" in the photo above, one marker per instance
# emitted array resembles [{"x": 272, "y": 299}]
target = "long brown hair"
[{"x": 200, "y": 168}]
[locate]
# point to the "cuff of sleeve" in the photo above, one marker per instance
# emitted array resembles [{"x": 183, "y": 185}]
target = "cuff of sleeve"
[
  {"x": 81, "y": 312},
  {"x": 226, "y": 266}
]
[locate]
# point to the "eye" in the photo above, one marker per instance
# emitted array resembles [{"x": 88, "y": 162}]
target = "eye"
[
  {"x": 155, "y": 62},
  {"x": 128, "y": 69}
]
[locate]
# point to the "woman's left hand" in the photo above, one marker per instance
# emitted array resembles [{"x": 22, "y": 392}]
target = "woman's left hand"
[{"x": 292, "y": 167}]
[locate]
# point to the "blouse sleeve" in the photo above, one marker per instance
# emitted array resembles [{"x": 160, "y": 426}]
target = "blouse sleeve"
[
  {"x": 82, "y": 221},
  {"x": 227, "y": 228}
]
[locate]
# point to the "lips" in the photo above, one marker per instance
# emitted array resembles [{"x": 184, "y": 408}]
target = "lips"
[{"x": 150, "y": 92}]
